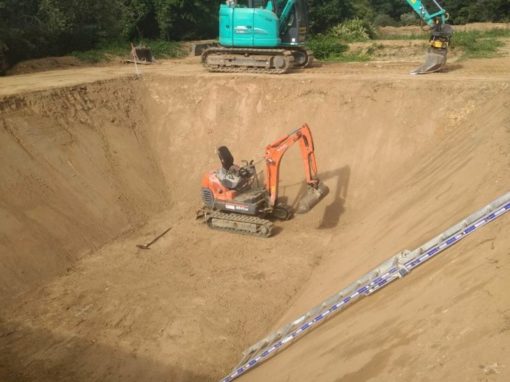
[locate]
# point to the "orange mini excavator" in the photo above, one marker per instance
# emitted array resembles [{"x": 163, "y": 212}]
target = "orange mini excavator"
[{"x": 234, "y": 201}]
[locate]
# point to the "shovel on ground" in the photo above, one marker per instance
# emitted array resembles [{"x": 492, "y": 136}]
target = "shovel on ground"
[{"x": 147, "y": 246}]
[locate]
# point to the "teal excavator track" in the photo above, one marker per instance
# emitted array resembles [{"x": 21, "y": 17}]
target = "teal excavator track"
[{"x": 253, "y": 60}]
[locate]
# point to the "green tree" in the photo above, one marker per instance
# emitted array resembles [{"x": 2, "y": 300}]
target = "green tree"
[
  {"x": 35, "y": 28},
  {"x": 140, "y": 20},
  {"x": 187, "y": 19},
  {"x": 392, "y": 8},
  {"x": 324, "y": 14},
  {"x": 478, "y": 10},
  {"x": 21, "y": 32},
  {"x": 80, "y": 24}
]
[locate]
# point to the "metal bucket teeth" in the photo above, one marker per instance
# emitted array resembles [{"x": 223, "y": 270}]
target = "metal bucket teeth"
[
  {"x": 311, "y": 198},
  {"x": 434, "y": 62}
]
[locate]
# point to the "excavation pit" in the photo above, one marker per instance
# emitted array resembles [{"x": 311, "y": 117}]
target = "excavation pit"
[{"x": 90, "y": 171}]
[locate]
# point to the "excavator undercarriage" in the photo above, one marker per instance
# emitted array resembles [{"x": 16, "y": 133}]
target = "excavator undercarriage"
[
  {"x": 270, "y": 61},
  {"x": 236, "y": 223}
]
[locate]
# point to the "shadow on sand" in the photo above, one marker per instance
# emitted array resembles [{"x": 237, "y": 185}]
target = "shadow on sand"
[
  {"x": 28, "y": 354},
  {"x": 338, "y": 183}
]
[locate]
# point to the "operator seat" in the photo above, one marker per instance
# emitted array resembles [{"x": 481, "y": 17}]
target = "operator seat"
[
  {"x": 226, "y": 158},
  {"x": 228, "y": 174}
]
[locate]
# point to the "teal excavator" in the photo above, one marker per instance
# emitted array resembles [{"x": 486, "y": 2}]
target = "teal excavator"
[
  {"x": 264, "y": 36},
  {"x": 268, "y": 36}
]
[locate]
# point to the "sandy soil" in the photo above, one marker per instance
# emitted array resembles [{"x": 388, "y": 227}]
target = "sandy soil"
[{"x": 97, "y": 160}]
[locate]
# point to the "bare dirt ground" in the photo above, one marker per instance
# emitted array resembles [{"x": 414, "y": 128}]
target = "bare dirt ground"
[{"x": 97, "y": 160}]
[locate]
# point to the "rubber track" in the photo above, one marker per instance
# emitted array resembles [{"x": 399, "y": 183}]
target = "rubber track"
[
  {"x": 246, "y": 69},
  {"x": 311, "y": 58},
  {"x": 239, "y": 218}
]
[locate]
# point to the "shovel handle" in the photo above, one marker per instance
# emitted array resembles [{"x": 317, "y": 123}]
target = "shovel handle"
[{"x": 146, "y": 246}]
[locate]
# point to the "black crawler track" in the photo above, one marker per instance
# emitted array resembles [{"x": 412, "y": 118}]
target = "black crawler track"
[{"x": 259, "y": 227}]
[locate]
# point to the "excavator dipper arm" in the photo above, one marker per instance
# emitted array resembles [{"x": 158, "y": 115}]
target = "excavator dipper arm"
[
  {"x": 425, "y": 15},
  {"x": 441, "y": 33},
  {"x": 275, "y": 152}
]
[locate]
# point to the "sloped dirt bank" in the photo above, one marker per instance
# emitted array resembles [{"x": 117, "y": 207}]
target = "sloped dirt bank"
[{"x": 99, "y": 168}]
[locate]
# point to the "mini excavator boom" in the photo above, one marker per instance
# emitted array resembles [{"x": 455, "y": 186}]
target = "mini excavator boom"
[
  {"x": 274, "y": 155},
  {"x": 233, "y": 200}
]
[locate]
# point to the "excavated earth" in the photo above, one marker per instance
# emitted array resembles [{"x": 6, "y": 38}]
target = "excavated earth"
[{"x": 97, "y": 160}]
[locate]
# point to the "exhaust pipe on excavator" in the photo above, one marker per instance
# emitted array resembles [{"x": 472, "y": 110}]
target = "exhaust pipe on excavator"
[{"x": 312, "y": 196}]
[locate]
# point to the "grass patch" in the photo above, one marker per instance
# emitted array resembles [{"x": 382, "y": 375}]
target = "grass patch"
[
  {"x": 497, "y": 32},
  {"x": 474, "y": 44},
  {"x": 411, "y": 36},
  {"x": 350, "y": 57},
  {"x": 326, "y": 46},
  {"x": 112, "y": 50},
  {"x": 477, "y": 44},
  {"x": 491, "y": 33},
  {"x": 355, "y": 30},
  {"x": 329, "y": 48}
]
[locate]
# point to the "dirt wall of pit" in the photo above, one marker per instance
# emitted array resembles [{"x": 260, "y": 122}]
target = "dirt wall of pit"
[
  {"x": 449, "y": 320},
  {"x": 403, "y": 158},
  {"x": 366, "y": 131},
  {"x": 77, "y": 171},
  {"x": 83, "y": 164}
]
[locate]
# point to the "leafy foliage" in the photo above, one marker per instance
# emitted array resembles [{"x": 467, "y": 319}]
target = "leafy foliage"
[
  {"x": 187, "y": 19},
  {"x": 477, "y": 44},
  {"x": 409, "y": 18},
  {"x": 111, "y": 50},
  {"x": 35, "y": 28},
  {"x": 467, "y": 11},
  {"x": 326, "y": 46},
  {"x": 354, "y": 30},
  {"x": 384, "y": 20},
  {"x": 326, "y": 13}
]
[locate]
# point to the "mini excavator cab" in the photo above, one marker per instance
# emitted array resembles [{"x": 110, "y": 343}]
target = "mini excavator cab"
[
  {"x": 232, "y": 176},
  {"x": 232, "y": 191}
]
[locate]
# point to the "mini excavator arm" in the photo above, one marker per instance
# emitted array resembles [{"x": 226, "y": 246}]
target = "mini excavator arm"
[
  {"x": 274, "y": 155},
  {"x": 441, "y": 32}
]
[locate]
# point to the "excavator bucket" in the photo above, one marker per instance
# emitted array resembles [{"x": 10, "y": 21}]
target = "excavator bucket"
[
  {"x": 140, "y": 55},
  {"x": 311, "y": 198},
  {"x": 143, "y": 54},
  {"x": 434, "y": 62}
]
